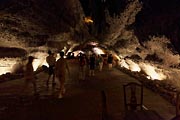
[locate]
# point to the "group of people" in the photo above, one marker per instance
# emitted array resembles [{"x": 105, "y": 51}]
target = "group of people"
[
  {"x": 92, "y": 62},
  {"x": 56, "y": 69}
]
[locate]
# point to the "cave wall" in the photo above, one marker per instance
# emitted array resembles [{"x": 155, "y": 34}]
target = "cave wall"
[
  {"x": 33, "y": 23},
  {"x": 53, "y": 16},
  {"x": 158, "y": 18}
]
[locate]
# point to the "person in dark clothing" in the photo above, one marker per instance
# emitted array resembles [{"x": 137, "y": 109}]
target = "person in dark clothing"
[
  {"x": 51, "y": 60},
  {"x": 92, "y": 63},
  {"x": 82, "y": 66},
  {"x": 110, "y": 61},
  {"x": 100, "y": 61}
]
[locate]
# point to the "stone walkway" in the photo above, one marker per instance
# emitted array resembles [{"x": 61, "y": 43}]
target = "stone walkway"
[{"x": 82, "y": 100}]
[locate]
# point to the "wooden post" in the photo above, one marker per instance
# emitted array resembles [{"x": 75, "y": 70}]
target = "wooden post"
[
  {"x": 177, "y": 104},
  {"x": 104, "y": 106}
]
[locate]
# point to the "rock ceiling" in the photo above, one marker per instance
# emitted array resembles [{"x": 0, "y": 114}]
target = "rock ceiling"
[{"x": 34, "y": 23}]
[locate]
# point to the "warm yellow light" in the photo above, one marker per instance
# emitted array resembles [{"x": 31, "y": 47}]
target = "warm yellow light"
[
  {"x": 93, "y": 43},
  {"x": 77, "y": 52},
  {"x": 6, "y": 64},
  {"x": 152, "y": 72},
  {"x": 40, "y": 60},
  {"x": 124, "y": 64},
  {"x": 133, "y": 66},
  {"x": 117, "y": 57},
  {"x": 98, "y": 51},
  {"x": 88, "y": 20}
]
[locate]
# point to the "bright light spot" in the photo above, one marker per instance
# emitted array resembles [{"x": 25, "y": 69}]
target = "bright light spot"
[
  {"x": 36, "y": 64},
  {"x": 6, "y": 64},
  {"x": 88, "y": 20},
  {"x": 98, "y": 51},
  {"x": 93, "y": 43},
  {"x": 71, "y": 48},
  {"x": 40, "y": 59},
  {"x": 133, "y": 66},
  {"x": 64, "y": 49},
  {"x": 117, "y": 57},
  {"x": 151, "y": 71},
  {"x": 124, "y": 64},
  {"x": 148, "y": 77},
  {"x": 77, "y": 52}
]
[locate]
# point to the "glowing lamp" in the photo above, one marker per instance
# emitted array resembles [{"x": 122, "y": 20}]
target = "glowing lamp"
[{"x": 88, "y": 20}]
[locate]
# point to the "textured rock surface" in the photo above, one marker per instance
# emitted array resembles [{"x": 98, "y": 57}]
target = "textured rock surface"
[{"x": 32, "y": 23}]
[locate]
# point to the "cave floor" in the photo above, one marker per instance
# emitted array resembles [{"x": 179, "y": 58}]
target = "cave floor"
[{"x": 82, "y": 100}]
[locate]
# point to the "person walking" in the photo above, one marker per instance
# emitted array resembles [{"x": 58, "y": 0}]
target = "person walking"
[
  {"x": 82, "y": 67},
  {"x": 60, "y": 72},
  {"x": 100, "y": 59},
  {"x": 51, "y": 60},
  {"x": 92, "y": 63},
  {"x": 29, "y": 75},
  {"x": 110, "y": 61}
]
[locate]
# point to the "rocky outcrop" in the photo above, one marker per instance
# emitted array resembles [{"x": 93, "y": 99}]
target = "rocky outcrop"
[
  {"x": 31, "y": 27},
  {"x": 159, "y": 18},
  {"x": 31, "y": 23},
  {"x": 12, "y": 52}
]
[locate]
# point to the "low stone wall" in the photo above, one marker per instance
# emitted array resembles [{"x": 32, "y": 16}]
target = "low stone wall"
[
  {"x": 9, "y": 76},
  {"x": 14, "y": 76}
]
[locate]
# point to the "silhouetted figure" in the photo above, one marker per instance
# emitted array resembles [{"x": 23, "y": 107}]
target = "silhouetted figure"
[
  {"x": 29, "y": 75},
  {"x": 100, "y": 61},
  {"x": 60, "y": 72},
  {"x": 82, "y": 66},
  {"x": 92, "y": 63},
  {"x": 110, "y": 61},
  {"x": 51, "y": 60}
]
